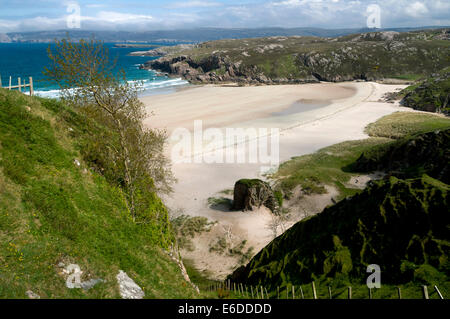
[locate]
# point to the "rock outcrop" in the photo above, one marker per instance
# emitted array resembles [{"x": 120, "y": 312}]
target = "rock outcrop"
[
  {"x": 31, "y": 295},
  {"x": 252, "y": 194},
  {"x": 128, "y": 288},
  {"x": 430, "y": 95},
  {"x": 217, "y": 69},
  {"x": 291, "y": 60},
  {"x": 162, "y": 51}
]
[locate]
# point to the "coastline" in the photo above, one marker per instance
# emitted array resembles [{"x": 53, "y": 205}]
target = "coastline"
[{"x": 348, "y": 108}]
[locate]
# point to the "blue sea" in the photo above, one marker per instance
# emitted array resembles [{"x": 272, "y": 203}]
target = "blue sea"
[{"x": 29, "y": 59}]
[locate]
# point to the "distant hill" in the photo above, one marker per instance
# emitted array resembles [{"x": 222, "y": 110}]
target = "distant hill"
[
  {"x": 188, "y": 35},
  {"x": 304, "y": 59}
]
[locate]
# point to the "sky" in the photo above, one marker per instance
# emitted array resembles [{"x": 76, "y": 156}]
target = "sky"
[{"x": 144, "y": 15}]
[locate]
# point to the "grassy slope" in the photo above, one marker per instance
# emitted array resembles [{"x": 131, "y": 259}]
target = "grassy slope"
[
  {"x": 400, "y": 225},
  {"x": 53, "y": 211},
  {"x": 431, "y": 94}
]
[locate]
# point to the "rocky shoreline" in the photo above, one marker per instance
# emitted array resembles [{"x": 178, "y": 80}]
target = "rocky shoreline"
[
  {"x": 295, "y": 60},
  {"x": 202, "y": 72}
]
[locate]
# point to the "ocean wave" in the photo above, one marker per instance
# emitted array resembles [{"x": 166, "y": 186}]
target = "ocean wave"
[
  {"x": 147, "y": 85},
  {"x": 48, "y": 94}
]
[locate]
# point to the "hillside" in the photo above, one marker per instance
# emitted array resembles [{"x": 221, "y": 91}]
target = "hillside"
[
  {"x": 57, "y": 209},
  {"x": 431, "y": 94},
  {"x": 427, "y": 153},
  {"x": 279, "y": 60},
  {"x": 399, "y": 224}
]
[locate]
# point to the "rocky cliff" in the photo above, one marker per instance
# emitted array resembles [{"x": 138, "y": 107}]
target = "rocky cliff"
[{"x": 280, "y": 60}]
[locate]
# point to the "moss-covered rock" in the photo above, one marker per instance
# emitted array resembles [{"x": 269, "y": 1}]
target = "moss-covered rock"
[{"x": 254, "y": 193}]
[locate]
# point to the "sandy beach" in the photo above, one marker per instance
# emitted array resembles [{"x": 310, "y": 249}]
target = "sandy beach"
[{"x": 309, "y": 118}]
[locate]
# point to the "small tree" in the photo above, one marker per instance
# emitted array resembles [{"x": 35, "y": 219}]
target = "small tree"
[{"x": 84, "y": 73}]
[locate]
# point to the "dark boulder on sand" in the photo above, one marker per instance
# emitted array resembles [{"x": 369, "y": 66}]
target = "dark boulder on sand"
[{"x": 252, "y": 194}]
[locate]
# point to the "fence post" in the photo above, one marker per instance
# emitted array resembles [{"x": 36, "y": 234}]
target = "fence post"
[
  {"x": 262, "y": 293},
  {"x": 0, "y": 80},
  {"x": 293, "y": 292},
  {"x": 31, "y": 86},
  {"x": 287, "y": 291},
  {"x": 20, "y": 85},
  {"x": 329, "y": 292},
  {"x": 399, "y": 293},
  {"x": 10, "y": 79},
  {"x": 301, "y": 292},
  {"x": 439, "y": 293},
  {"x": 314, "y": 290},
  {"x": 425, "y": 292},
  {"x": 349, "y": 292}
]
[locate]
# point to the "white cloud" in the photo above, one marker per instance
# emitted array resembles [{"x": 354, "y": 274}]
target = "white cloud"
[
  {"x": 118, "y": 17},
  {"x": 95, "y": 5},
  {"x": 417, "y": 9},
  {"x": 211, "y": 13}
]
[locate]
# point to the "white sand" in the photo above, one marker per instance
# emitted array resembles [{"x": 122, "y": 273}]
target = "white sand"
[{"x": 352, "y": 107}]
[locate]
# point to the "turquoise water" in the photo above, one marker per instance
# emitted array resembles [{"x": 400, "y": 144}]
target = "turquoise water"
[{"x": 29, "y": 59}]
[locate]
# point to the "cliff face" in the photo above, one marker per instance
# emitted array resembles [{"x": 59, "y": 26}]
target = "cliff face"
[
  {"x": 205, "y": 71},
  {"x": 279, "y": 60}
]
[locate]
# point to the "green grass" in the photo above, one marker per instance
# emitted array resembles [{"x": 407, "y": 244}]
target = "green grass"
[
  {"x": 53, "y": 211},
  {"x": 408, "y": 77},
  {"x": 201, "y": 279},
  {"x": 401, "y": 124}
]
